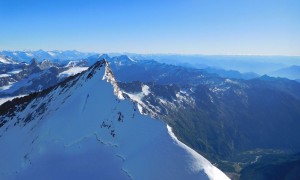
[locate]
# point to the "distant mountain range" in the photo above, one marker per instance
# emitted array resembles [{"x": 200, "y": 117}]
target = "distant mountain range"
[
  {"x": 291, "y": 72},
  {"x": 225, "y": 66},
  {"x": 242, "y": 63},
  {"x": 39, "y": 55}
]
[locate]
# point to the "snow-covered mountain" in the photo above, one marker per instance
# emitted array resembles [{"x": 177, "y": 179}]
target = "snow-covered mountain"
[
  {"x": 21, "y": 78},
  {"x": 87, "y": 128},
  {"x": 26, "y": 56},
  {"x": 6, "y": 60},
  {"x": 120, "y": 60}
]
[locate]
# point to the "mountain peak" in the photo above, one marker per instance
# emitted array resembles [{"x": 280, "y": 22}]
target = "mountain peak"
[
  {"x": 34, "y": 65},
  {"x": 46, "y": 64},
  {"x": 104, "y": 56},
  {"x": 34, "y": 62},
  {"x": 81, "y": 123},
  {"x": 125, "y": 58}
]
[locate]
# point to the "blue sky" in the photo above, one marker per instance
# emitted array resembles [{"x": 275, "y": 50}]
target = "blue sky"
[{"x": 261, "y": 27}]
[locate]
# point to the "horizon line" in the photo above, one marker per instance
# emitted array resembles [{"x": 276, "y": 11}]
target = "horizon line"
[{"x": 157, "y": 53}]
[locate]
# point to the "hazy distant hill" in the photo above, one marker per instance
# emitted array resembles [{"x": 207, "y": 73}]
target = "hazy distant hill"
[{"x": 291, "y": 72}]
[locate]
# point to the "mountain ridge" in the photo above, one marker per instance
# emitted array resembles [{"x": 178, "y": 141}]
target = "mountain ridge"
[
  {"x": 291, "y": 72},
  {"x": 43, "y": 130}
]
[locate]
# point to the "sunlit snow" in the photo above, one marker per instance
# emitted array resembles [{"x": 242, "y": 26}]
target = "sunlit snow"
[
  {"x": 72, "y": 71},
  {"x": 4, "y": 75}
]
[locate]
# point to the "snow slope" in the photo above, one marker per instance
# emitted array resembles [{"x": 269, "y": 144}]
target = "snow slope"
[
  {"x": 14, "y": 86},
  {"x": 6, "y": 60},
  {"x": 72, "y": 71},
  {"x": 82, "y": 129}
]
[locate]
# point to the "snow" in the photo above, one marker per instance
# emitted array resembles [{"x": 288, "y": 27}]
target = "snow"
[
  {"x": 7, "y": 87},
  {"x": 4, "y": 75},
  {"x": 231, "y": 81},
  {"x": 2, "y": 60},
  {"x": 131, "y": 59},
  {"x": 51, "y": 53},
  {"x": 72, "y": 71},
  {"x": 29, "y": 54},
  {"x": 201, "y": 163},
  {"x": 3, "y": 100},
  {"x": 162, "y": 101},
  {"x": 137, "y": 97},
  {"x": 14, "y": 86},
  {"x": 183, "y": 96},
  {"x": 218, "y": 89},
  {"x": 71, "y": 64},
  {"x": 211, "y": 98},
  {"x": 145, "y": 90},
  {"x": 146, "y": 108},
  {"x": 6, "y": 61},
  {"x": 70, "y": 138},
  {"x": 16, "y": 71},
  {"x": 109, "y": 77}
]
